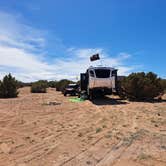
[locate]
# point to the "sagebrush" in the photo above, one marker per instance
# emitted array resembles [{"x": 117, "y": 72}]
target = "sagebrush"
[
  {"x": 141, "y": 86},
  {"x": 8, "y": 87},
  {"x": 39, "y": 87},
  {"x": 60, "y": 85}
]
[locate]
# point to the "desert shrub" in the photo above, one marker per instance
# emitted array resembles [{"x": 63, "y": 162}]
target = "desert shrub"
[
  {"x": 78, "y": 82},
  {"x": 44, "y": 82},
  {"x": 140, "y": 86},
  {"x": 163, "y": 84},
  {"x": 8, "y": 87},
  {"x": 39, "y": 87},
  {"x": 52, "y": 84},
  {"x": 60, "y": 85},
  {"x": 21, "y": 84}
]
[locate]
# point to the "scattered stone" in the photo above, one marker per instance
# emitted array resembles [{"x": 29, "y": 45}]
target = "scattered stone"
[
  {"x": 80, "y": 135},
  {"x": 156, "y": 125},
  {"x": 163, "y": 147},
  {"x": 51, "y": 103},
  {"x": 88, "y": 162}
]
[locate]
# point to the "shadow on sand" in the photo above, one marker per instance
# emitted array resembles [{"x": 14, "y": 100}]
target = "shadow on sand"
[
  {"x": 152, "y": 101},
  {"x": 108, "y": 101}
]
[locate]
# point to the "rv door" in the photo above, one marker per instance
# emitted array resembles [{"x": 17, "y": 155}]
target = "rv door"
[
  {"x": 114, "y": 80},
  {"x": 83, "y": 81}
]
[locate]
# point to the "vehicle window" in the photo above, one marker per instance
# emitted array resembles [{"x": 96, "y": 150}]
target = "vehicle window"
[
  {"x": 72, "y": 86},
  {"x": 102, "y": 73},
  {"x": 114, "y": 72},
  {"x": 92, "y": 73},
  {"x": 76, "y": 86}
]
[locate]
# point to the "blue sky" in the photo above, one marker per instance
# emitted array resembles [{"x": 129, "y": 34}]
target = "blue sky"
[{"x": 53, "y": 39}]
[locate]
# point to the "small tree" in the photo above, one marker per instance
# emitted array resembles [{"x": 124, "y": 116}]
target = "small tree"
[
  {"x": 163, "y": 84},
  {"x": 8, "y": 87},
  {"x": 52, "y": 84},
  {"x": 39, "y": 87},
  {"x": 141, "y": 86},
  {"x": 60, "y": 85}
]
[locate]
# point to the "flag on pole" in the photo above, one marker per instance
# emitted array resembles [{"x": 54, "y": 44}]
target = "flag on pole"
[{"x": 94, "y": 57}]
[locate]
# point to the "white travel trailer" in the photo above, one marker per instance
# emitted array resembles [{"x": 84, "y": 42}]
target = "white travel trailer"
[{"x": 99, "y": 81}]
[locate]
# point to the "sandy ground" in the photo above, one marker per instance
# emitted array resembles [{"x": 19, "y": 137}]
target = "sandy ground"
[{"x": 107, "y": 132}]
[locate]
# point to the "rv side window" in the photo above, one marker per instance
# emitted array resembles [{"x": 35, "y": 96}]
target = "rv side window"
[
  {"x": 92, "y": 73},
  {"x": 114, "y": 73}
]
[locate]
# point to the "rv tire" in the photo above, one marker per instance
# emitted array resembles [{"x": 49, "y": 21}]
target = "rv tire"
[{"x": 91, "y": 95}]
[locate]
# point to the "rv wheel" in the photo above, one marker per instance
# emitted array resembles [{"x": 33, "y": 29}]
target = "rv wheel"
[
  {"x": 65, "y": 94},
  {"x": 91, "y": 95}
]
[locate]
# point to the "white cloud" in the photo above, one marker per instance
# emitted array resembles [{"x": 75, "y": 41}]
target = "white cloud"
[
  {"x": 79, "y": 61},
  {"x": 18, "y": 44},
  {"x": 14, "y": 33},
  {"x": 21, "y": 54}
]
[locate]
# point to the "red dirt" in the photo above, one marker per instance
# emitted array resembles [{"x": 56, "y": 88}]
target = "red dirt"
[{"x": 107, "y": 132}]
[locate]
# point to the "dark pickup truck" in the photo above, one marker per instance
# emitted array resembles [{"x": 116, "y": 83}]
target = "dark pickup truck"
[{"x": 71, "y": 89}]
